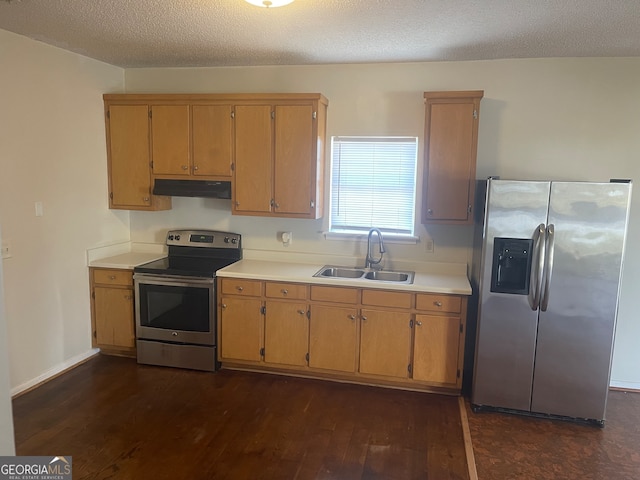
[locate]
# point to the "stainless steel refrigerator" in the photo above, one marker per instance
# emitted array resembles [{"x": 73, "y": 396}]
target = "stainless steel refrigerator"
[{"x": 548, "y": 286}]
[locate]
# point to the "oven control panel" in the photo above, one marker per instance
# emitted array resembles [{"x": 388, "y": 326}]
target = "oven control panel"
[{"x": 203, "y": 238}]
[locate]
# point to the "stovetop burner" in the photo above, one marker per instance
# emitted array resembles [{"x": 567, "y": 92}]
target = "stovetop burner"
[{"x": 195, "y": 253}]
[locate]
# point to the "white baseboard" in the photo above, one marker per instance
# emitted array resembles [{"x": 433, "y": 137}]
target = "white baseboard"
[
  {"x": 624, "y": 385},
  {"x": 54, "y": 372}
]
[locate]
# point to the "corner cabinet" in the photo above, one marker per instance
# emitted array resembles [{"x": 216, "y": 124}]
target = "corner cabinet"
[
  {"x": 279, "y": 156},
  {"x": 451, "y": 138},
  {"x": 112, "y": 311}
]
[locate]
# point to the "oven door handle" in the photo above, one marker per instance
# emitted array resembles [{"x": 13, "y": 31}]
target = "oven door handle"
[{"x": 172, "y": 281}]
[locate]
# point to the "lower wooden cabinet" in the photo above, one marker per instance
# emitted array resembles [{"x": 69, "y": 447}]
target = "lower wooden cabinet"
[
  {"x": 333, "y": 337},
  {"x": 286, "y": 333},
  {"x": 112, "y": 311},
  {"x": 240, "y": 330},
  {"x": 373, "y": 336},
  {"x": 385, "y": 343},
  {"x": 436, "y": 349}
]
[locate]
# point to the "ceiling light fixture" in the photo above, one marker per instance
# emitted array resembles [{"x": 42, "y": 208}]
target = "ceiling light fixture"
[{"x": 269, "y": 3}]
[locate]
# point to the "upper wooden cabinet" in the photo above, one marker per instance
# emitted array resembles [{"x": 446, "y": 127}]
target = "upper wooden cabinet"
[
  {"x": 271, "y": 146},
  {"x": 279, "y": 156},
  {"x": 191, "y": 141},
  {"x": 451, "y": 138},
  {"x": 129, "y": 158},
  {"x": 170, "y": 153}
]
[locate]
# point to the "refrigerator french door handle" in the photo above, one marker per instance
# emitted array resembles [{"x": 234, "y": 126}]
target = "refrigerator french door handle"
[
  {"x": 550, "y": 241},
  {"x": 537, "y": 266}
]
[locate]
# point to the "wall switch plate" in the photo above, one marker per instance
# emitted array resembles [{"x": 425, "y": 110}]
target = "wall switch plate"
[
  {"x": 5, "y": 249},
  {"x": 39, "y": 209}
]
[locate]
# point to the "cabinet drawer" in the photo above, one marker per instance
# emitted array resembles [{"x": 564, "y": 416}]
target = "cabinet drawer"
[
  {"x": 239, "y": 286},
  {"x": 113, "y": 277},
  {"x": 438, "y": 303},
  {"x": 286, "y": 290},
  {"x": 383, "y": 298},
  {"x": 334, "y": 294}
]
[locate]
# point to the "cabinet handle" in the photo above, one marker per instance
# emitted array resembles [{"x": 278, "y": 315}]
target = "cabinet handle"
[
  {"x": 185, "y": 167},
  {"x": 352, "y": 317},
  {"x": 146, "y": 199},
  {"x": 224, "y": 305},
  {"x": 175, "y": 334},
  {"x": 128, "y": 297},
  {"x": 240, "y": 289},
  {"x": 277, "y": 205},
  {"x": 301, "y": 312},
  {"x": 419, "y": 324},
  {"x": 195, "y": 168},
  {"x": 284, "y": 291},
  {"x": 437, "y": 303},
  {"x": 112, "y": 277},
  {"x": 364, "y": 319}
]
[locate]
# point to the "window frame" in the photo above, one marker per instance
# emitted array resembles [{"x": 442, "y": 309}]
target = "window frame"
[{"x": 389, "y": 234}]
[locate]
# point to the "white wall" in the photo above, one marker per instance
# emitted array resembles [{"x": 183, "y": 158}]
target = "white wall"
[
  {"x": 574, "y": 119},
  {"x": 52, "y": 150},
  {"x": 540, "y": 118},
  {"x": 7, "y": 442}
]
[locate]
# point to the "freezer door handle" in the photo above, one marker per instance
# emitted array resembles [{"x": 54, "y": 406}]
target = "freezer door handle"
[
  {"x": 550, "y": 241},
  {"x": 537, "y": 267}
]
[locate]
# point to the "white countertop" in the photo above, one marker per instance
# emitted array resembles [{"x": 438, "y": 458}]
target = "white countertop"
[
  {"x": 127, "y": 260},
  {"x": 259, "y": 265},
  {"x": 125, "y": 255},
  {"x": 440, "y": 281}
]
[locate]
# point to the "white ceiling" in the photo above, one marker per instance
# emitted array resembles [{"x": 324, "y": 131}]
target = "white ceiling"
[{"x": 198, "y": 33}]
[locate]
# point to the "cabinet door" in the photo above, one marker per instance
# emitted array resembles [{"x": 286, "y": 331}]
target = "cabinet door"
[
  {"x": 114, "y": 317},
  {"x": 170, "y": 139},
  {"x": 211, "y": 133},
  {"x": 451, "y": 135},
  {"x": 128, "y": 149},
  {"x": 294, "y": 162},
  {"x": 253, "y": 141},
  {"x": 286, "y": 333},
  {"x": 436, "y": 348},
  {"x": 333, "y": 337},
  {"x": 241, "y": 325},
  {"x": 385, "y": 343}
]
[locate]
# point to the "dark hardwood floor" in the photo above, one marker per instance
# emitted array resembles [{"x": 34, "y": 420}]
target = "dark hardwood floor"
[
  {"x": 119, "y": 420},
  {"x": 514, "y": 447}
]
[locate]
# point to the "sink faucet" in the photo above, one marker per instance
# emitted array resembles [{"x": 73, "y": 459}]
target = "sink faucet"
[{"x": 369, "y": 261}]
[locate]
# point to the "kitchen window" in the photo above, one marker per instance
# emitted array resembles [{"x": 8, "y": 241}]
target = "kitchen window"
[{"x": 373, "y": 184}]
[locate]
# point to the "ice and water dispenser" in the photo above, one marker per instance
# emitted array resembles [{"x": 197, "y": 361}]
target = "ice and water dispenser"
[{"x": 511, "y": 265}]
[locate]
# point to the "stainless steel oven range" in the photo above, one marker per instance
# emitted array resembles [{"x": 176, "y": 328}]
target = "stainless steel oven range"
[{"x": 176, "y": 299}]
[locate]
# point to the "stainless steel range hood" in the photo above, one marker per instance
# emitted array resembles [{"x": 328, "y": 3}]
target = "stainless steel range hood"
[{"x": 192, "y": 188}]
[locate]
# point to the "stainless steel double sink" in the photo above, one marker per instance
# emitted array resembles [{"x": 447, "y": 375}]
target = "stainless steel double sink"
[{"x": 355, "y": 273}]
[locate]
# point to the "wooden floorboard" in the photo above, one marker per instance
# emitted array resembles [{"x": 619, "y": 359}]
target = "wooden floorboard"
[{"x": 120, "y": 420}]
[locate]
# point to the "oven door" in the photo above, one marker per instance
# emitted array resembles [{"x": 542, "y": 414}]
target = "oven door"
[{"x": 175, "y": 309}]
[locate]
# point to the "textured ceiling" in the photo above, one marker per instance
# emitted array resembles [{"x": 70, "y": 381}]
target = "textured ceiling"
[{"x": 193, "y": 33}]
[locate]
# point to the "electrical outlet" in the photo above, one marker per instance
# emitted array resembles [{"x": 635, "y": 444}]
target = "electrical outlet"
[
  {"x": 285, "y": 238},
  {"x": 428, "y": 245},
  {"x": 5, "y": 248}
]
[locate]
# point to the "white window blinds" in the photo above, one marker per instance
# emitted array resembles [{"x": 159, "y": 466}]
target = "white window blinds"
[{"x": 373, "y": 184}]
